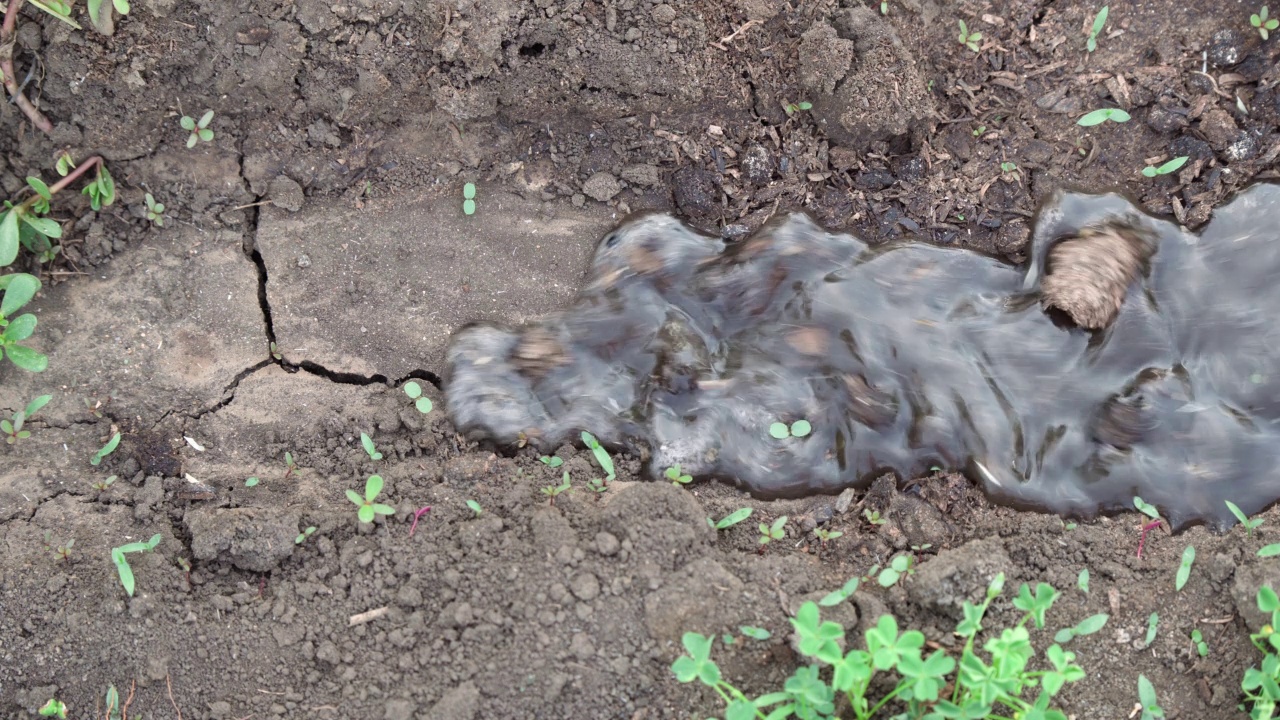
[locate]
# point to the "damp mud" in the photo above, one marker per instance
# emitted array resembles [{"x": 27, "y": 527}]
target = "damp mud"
[{"x": 907, "y": 356}]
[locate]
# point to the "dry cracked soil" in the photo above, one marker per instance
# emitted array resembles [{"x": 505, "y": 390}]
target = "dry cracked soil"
[{"x": 315, "y": 257}]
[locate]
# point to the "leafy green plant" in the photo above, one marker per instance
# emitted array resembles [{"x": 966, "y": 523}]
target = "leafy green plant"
[
  {"x": 119, "y": 557},
  {"x": 884, "y": 7},
  {"x": 60, "y": 552},
  {"x": 979, "y": 130},
  {"x": 13, "y": 429},
  {"x": 1262, "y": 685},
  {"x": 1150, "y": 511},
  {"x": 755, "y": 633},
  {"x": 100, "y": 13},
  {"x": 551, "y": 461},
  {"x": 1248, "y": 524},
  {"x": 899, "y": 566},
  {"x": 18, "y": 289},
  {"x": 1202, "y": 647},
  {"x": 769, "y": 533},
  {"x": 799, "y": 428},
  {"x": 1184, "y": 568},
  {"x": 731, "y": 519},
  {"x": 873, "y": 516},
  {"x": 552, "y": 491},
  {"x": 1099, "y": 21},
  {"x": 475, "y": 507},
  {"x": 1147, "y": 699},
  {"x": 1264, "y": 24},
  {"x": 793, "y": 108},
  {"x": 1011, "y": 169},
  {"x": 251, "y": 482},
  {"x": 469, "y": 201},
  {"x": 103, "y": 485},
  {"x": 368, "y": 509},
  {"x": 673, "y": 474},
  {"x": 836, "y": 597},
  {"x": 199, "y": 130},
  {"x": 275, "y": 351},
  {"x": 302, "y": 536},
  {"x": 367, "y": 443},
  {"x": 1097, "y": 117},
  {"x": 597, "y": 485},
  {"x": 414, "y": 391},
  {"x": 106, "y": 450},
  {"x": 1087, "y": 626},
  {"x": 970, "y": 40},
  {"x": 825, "y": 536},
  {"x": 1082, "y": 581},
  {"x": 155, "y": 210},
  {"x": 977, "y": 687},
  {"x": 290, "y": 467},
  {"x": 1153, "y": 624},
  {"x": 601, "y": 455},
  {"x": 53, "y": 708},
  {"x": 1269, "y": 550},
  {"x": 1171, "y": 166}
]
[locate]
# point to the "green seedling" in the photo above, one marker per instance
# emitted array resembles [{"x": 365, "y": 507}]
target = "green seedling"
[
  {"x": 369, "y": 448},
  {"x": 61, "y": 552},
  {"x": 1150, "y": 511},
  {"x": 368, "y": 509},
  {"x": 302, "y": 536},
  {"x": 899, "y": 566},
  {"x": 1269, "y": 550},
  {"x": 1153, "y": 624},
  {"x": 978, "y": 132},
  {"x": 891, "y": 667},
  {"x": 13, "y": 429},
  {"x": 673, "y": 474},
  {"x": 199, "y": 130},
  {"x": 793, "y": 108},
  {"x": 1147, "y": 699},
  {"x": 1264, "y": 24},
  {"x": 551, "y": 491},
  {"x": 1011, "y": 169},
  {"x": 251, "y": 482},
  {"x": 35, "y": 232},
  {"x": 65, "y": 164},
  {"x": 155, "y": 211},
  {"x": 1097, "y": 117},
  {"x": 769, "y": 533},
  {"x": 1087, "y": 626},
  {"x": 551, "y": 461},
  {"x": 755, "y": 633},
  {"x": 290, "y": 467},
  {"x": 1184, "y": 568},
  {"x": 475, "y": 507},
  {"x": 100, "y": 13},
  {"x": 275, "y": 351},
  {"x": 970, "y": 40},
  {"x": 601, "y": 455},
  {"x": 53, "y": 708},
  {"x": 824, "y": 536},
  {"x": 102, "y": 191},
  {"x": 597, "y": 485},
  {"x": 884, "y": 8},
  {"x": 1082, "y": 581},
  {"x": 731, "y": 519},
  {"x": 1099, "y": 21},
  {"x": 1202, "y": 647},
  {"x": 414, "y": 391},
  {"x": 1248, "y": 524},
  {"x": 106, "y": 450},
  {"x": 118, "y": 556},
  {"x": 873, "y": 516},
  {"x": 1171, "y": 166},
  {"x": 799, "y": 428},
  {"x": 18, "y": 289},
  {"x": 103, "y": 485},
  {"x": 1262, "y": 685},
  {"x": 113, "y": 703},
  {"x": 469, "y": 201},
  {"x": 836, "y": 597}
]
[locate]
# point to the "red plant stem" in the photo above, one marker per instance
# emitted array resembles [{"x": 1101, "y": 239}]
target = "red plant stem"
[
  {"x": 417, "y": 515},
  {"x": 1142, "y": 538},
  {"x": 71, "y": 177},
  {"x": 7, "y": 39}
]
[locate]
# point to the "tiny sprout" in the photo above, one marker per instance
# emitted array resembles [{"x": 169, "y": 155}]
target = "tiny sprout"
[
  {"x": 368, "y": 509},
  {"x": 899, "y": 566},
  {"x": 475, "y": 507},
  {"x": 469, "y": 203},
  {"x": 769, "y": 533},
  {"x": 54, "y": 708},
  {"x": 1184, "y": 568},
  {"x": 302, "y": 536},
  {"x": 275, "y": 351},
  {"x": 793, "y": 108},
  {"x": 1153, "y": 624},
  {"x": 290, "y": 466},
  {"x": 732, "y": 518},
  {"x": 873, "y": 516},
  {"x": 826, "y": 536},
  {"x": 1264, "y": 25},
  {"x": 106, "y": 450},
  {"x": 799, "y": 428},
  {"x": 251, "y": 482},
  {"x": 1147, "y": 699},
  {"x": 601, "y": 455},
  {"x": 1099, "y": 21},
  {"x": 102, "y": 485},
  {"x": 1146, "y": 508},
  {"x": 552, "y": 461},
  {"x": 673, "y": 474},
  {"x": 199, "y": 130},
  {"x": 155, "y": 211},
  {"x": 968, "y": 39},
  {"x": 979, "y": 130},
  {"x": 414, "y": 391},
  {"x": 369, "y": 448},
  {"x": 551, "y": 491},
  {"x": 65, "y": 163},
  {"x": 1202, "y": 647},
  {"x": 14, "y": 429},
  {"x": 61, "y": 552},
  {"x": 884, "y": 8},
  {"x": 1248, "y": 524},
  {"x": 122, "y": 563},
  {"x": 1171, "y": 166},
  {"x": 417, "y": 515},
  {"x": 597, "y": 485},
  {"x": 755, "y": 633},
  {"x": 1101, "y": 115}
]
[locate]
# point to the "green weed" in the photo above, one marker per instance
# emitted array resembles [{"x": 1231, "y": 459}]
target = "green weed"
[
  {"x": 290, "y": 467},
  {"x": 469, "y": 202},
  {"x": 601, "y": 455},
  {"x": 155, "y": 210},
  {"x": 106, "y": 450},
  {"x": 475, "y": 507},
  {"x": 1264, "y": 24},
  {"x": 1171, "y": 166},
  {"x": 100, "y": 13},
  {"x": 302, "y": 536},
  {"x": 793, "y": 108},
  {"x": 53, "y": 708},
  {"x": 731, "y": 519},
  {"x": 873, "y": 516},
  {"x": 1082, "y": 581},
  {"x": 368, "y": 509},
  {"x": 199, "y": 129},
  {"x": 1184, "y": 568},
  {"x": 103, "y": 485},
  {"x": 552, "y": 491},
  {"x": 1248, "y": 524},
  {"x": 60, "y": 552},
  {"x": 1087, "y": 626},
  {"x": 1153, "y": 624},
  {"x": 13, "y": 429},
  {"x": 1097, "y": 117},
  {"x": 118, "y": 556},
  {"x": 799, "y": 428},
  {"x": 1147, "y": 699},
  {"x": 1099, "y": 21},
  {"x": 970, "y": 40},
  {"x": 899, "y": 566},
  {"x": 367, "y": 443},
  {"x": 18, "y": 289},
  {"x": 769, "y": 533},
  {"x": 1269, "y": 550},
  {"x": 824, "y": 536},
  {"x": 1202, "y": 647},
  {"x": 673, "y": 474},
  {"x": 1262, "y": 685},
  {"x": 251, "y": 482},
  {"x": 414, "y": 391},
  {"x": 551, "y": 461}
]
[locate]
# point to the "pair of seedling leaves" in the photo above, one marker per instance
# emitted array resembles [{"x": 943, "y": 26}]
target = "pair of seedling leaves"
[{"x": 18, "y": 289}]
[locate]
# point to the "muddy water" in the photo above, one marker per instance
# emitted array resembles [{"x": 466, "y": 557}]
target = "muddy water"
[{"x": 908, "y": 357}]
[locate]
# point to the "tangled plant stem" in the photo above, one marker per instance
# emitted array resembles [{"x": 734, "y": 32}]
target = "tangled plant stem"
[
  {"x": 8, "y": 36},
  {"x": 1142, "y": 538}
]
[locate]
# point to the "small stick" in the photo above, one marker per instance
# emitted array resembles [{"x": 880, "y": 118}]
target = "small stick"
[
  {"x": 175, "y": 704},
  {"x": 124, "y": 712},
  {"x": 7, "y": 40},
  {"x": 367, "y": 616}
]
